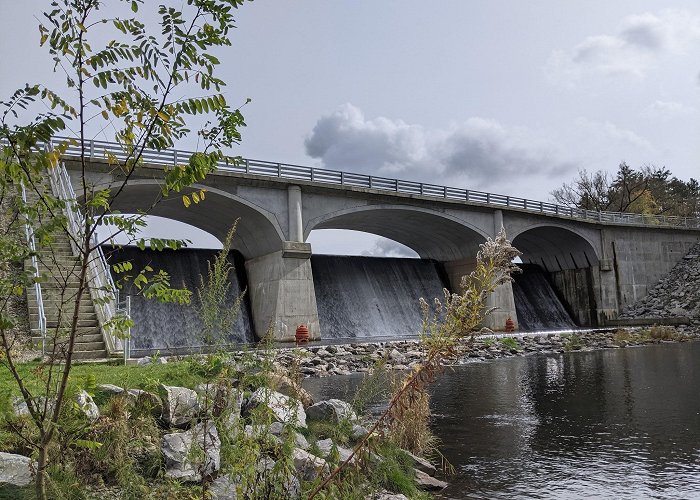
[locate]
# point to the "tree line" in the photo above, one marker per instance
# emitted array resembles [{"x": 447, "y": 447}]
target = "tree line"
[{"x": 648, "y": 190}]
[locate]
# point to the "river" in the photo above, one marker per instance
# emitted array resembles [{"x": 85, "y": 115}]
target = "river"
[{"x": 618, "y": 423}]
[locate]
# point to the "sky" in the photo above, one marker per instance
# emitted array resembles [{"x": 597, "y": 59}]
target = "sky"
[{"x": 504, "y": 96}]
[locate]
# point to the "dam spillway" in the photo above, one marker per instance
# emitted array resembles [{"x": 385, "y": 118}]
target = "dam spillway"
[
  {"x": 361, "y": 297},
  {"x": 169, "y": 327},
  {"x": 536, "y": 302}
]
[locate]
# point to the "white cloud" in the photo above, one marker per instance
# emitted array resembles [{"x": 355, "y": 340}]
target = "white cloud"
[
  {"x": 384, "y": 247},
  {"x": 477, "y": 153},
  {"x": 639, "y": 43},
  {"x": 608, "y": 133},
  {"x": 668, "y": 109}
]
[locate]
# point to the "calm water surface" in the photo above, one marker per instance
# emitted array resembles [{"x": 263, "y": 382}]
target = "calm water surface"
[{"x": 621, "y": 423}]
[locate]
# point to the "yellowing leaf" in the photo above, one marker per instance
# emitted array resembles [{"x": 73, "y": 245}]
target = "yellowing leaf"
[
  {"x": 186, "y": 200},
  {"x": 105, "y": 115}
]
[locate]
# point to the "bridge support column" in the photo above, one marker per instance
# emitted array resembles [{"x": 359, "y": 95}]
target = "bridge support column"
[
  {"x": 282, "y": 295},
  {"x": 502, "y": 298}
]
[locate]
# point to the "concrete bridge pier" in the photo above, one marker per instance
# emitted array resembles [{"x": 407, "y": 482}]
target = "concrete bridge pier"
[
  {"x": 281, "y": 283},
  {"x": 281, "y": 289},
  {"x": 501, "y": 299}
]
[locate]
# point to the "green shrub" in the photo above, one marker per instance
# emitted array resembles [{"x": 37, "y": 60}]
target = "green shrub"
[
  {"x": 572, "y": 342},
  {"x": 511, "y": 343}
]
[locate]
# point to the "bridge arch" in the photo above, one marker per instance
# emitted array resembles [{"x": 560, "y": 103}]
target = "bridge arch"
[
  {"x": 432, "y": 234},
  {"x": 258, "y": 231},
  {"x": 555, "y": 247}
]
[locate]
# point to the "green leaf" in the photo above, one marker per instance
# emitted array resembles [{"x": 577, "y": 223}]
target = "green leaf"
[
  {"x": 134, "y": 6},
  {"x": 85, "y": 443}
]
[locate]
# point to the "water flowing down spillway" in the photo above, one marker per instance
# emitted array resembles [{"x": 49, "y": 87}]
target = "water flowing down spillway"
[
  {"x": 373, "y": 296},
  {"x": 536, "y": 302},
  {"x": 172, "y": 327}
]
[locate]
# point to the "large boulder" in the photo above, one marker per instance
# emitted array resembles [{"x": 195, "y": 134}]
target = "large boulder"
[
  {"x": 283, "y": 408},
  {"x": 422, "y": 464},
  {"x": 325, "y": 447},
  {"x": 192, "y": 454},
  {"x": 308, "y": 466},
  {"x": 331, "y": 410},
  {"x": 180, "y": 405},
  {"x": 17, "y": 470},
  {"x": 110, "y": 389},
  {"x": 87, "y": 406},
  {"x": 428, "y": 483}
]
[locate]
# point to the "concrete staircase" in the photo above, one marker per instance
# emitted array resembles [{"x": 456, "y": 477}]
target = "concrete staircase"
[{"x": 58, "y": 293}]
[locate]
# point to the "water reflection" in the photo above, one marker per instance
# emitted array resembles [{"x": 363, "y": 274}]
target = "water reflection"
[{"x": 607, "y": 424}]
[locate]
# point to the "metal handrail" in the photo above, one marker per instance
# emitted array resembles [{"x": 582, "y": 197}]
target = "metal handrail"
[
  {"x": 101, "y": 285},
  {"x": 102, "y": 150},
  {"x": 29, "y": 235}
]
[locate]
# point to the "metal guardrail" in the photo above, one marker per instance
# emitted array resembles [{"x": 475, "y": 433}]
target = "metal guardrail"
[
  {"x": 102, "y": 288},
  {"x": 29, "y": 235},
  {"x": 101, "y": 150}
]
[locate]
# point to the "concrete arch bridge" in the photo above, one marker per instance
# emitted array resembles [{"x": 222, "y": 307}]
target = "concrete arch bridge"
[{"x": 599, "y": 261}]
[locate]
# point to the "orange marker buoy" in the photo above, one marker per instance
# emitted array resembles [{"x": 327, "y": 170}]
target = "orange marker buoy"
[
  {"x": 510, "y": 325},
  {"x": 302, "y": 334}
]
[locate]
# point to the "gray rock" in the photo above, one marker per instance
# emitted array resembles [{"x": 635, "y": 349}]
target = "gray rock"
[
  {"x": 110, "y": 389},
  {"x": 331, "y": 410},
  {"x": 17, "y": 470},
  {"x": 422, "y": 464},
  {"x": 358, "y": 432},
  {"x": 180, "y": 405},
  {"x": 87, "y": 406},
  {"x": 191, "y": 454},
  {"x": 429, "y": 483},
  {"x": 223, "y": 488},
  {"x": 19, "y": 407},
  {"x": 284, "y": 409},
  {"x": 308, "y": 466},
  {"x": 325, "y": 446}
]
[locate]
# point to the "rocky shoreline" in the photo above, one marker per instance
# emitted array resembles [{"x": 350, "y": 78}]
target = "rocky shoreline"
[
  {"x": 346, "y": 359},
  {"x": 324, "y": 361}
]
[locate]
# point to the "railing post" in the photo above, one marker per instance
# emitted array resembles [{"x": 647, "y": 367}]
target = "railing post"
[
  {"x": 247, "y": 166},
  {"x": 312, "y": 174},
  {"x": 279, "y": 170},
  {"x": 488, "y": 198},
  {"x": 541, "y": 207},
  {"x": 175, "y": 158},
  {"x": 396, "y": 185},
  {"x": 370, "y": 182},
  {"x": 421, "y": 189},
  {"x": 467, "y": 195},
  {"x": 444, "y": 191},
  {"x": 92, "y": 149},
  {"x": 342, "y": 178}
]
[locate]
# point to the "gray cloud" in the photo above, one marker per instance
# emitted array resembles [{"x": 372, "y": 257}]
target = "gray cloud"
[
  {"x": 640, "y": 41},
  {"x": 475, "y": 153}
]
